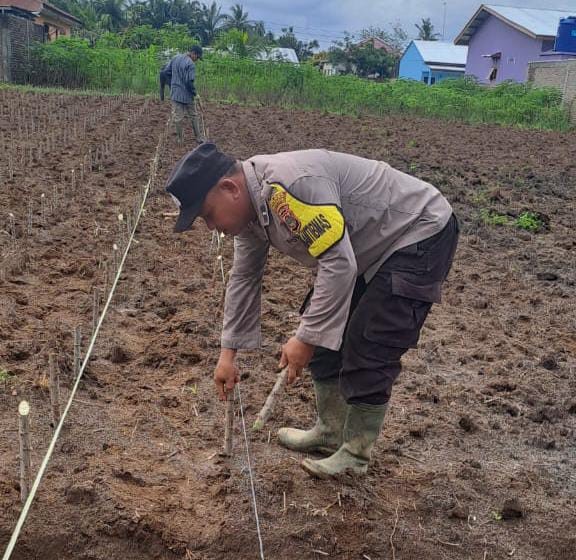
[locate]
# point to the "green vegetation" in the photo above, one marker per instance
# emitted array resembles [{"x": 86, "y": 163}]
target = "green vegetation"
[
  {"x": 72, "y": 62},
  {"x": 528, "y": 221},
  {"x": 5, "y": 375},
  {"x": 491, "y": 218}
]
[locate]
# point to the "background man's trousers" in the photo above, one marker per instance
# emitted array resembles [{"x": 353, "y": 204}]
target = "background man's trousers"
[{"x": 179, "y": 112}]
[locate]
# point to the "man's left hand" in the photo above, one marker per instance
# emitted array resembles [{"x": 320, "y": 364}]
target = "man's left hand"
[{"x": 296, "y": 355}]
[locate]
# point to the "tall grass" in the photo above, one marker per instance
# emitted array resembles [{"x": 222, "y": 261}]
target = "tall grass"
[
  {"x": 73, "y": 63},
  {"x": 269, "y": 83}
]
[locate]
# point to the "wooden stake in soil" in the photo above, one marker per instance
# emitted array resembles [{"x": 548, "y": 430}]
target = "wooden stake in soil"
[
  {"x": 25, "y": 447},
  {"x": 77, "y": 351},
  {"x": 95, "y": 308},
  {"x": 228, "y": 425},
  {"x": 54, "y": 389},
  {"x": 264, "y": 414}
]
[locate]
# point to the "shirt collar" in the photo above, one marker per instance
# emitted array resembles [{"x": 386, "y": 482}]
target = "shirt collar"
[{"x": 258, "y": 193}]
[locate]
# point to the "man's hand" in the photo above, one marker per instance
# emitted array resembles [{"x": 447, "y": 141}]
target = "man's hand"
[
  {"x": 226, "y": 374},
  {"x": 296, "y": 355}
]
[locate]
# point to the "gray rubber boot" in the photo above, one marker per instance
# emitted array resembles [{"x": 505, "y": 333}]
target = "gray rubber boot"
[
  {"x": 179, "y": 133},
  {"x": 326, "y": 436},
  {"x": 197, "y": 129},
  {"x": 362, "y": 428}
]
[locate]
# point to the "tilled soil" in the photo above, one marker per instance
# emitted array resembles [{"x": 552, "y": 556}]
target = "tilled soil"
[{"x": 477, "y": 456}]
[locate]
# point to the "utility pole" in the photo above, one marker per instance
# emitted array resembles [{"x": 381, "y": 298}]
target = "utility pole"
[{"x": 444, "y": 21}]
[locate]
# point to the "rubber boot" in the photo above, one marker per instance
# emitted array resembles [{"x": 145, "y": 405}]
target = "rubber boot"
[
  {"x": 362, "y": 428},
  {"x": 179, "y": 133},
  {"x": 326, "y": 436},
  {"x": 197, "y": 131}
]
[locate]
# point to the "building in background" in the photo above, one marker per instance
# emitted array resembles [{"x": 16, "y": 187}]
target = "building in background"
[
  {"x": 23, "y": 22},
  {"x": 502, "y": 41},
  {"x": 432, "y": 61},
  {"x": 54, "y": 21},
  {"x": 279, "y": 54}
]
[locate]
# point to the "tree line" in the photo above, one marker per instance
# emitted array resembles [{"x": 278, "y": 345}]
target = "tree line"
[{"x": 138, "y": 24}]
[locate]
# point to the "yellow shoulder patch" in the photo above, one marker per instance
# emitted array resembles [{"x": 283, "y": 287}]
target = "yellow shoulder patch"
[{"x": 318, "y": 226}]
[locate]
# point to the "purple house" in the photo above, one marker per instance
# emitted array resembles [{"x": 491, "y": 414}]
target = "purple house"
[{"x": 502, "y": 41}]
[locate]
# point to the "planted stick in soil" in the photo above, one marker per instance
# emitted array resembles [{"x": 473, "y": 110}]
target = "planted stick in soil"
[
  {"x": 264, "y": 414},
  {"x": 54, "y": 390},
  {"x": 24, "y": 433},
  {"x": 77, "y": 351},
  {"x": 228, "y": 425},
  {"x": 95, "y": 309}
]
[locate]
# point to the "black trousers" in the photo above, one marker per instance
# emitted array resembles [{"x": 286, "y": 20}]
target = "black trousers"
[{"x": 386, "y": 317}]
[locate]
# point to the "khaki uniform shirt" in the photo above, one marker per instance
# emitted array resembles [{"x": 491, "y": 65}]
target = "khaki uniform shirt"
[{"x": 340, "y": 214}]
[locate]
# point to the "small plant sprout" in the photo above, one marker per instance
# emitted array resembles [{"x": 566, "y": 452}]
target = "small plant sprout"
[
  {"x": 5, "y": 375},
  {"x": 529, "y": 222},
  {"x": 492, "y": 218}
]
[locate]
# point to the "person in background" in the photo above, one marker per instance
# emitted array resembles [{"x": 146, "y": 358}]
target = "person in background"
[{"x": 179, "y": 74}]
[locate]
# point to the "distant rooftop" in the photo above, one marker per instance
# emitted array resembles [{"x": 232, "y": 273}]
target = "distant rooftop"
[
  {"x": 280, "y": 54},
  {"x": 538, "y": 23},
  {"x": 441, "y": 53}
]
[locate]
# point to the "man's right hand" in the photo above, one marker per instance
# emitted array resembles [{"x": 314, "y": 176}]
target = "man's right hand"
[{"x": 226, "y": 374}]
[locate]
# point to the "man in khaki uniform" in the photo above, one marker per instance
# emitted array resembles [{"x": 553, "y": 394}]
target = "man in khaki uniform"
[{"x": 381, "y": 243}]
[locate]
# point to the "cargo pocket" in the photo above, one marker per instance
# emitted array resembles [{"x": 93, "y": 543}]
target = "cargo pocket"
[
  {"x": 416, "y": 287},
  {"x": 402, "y": 311}
]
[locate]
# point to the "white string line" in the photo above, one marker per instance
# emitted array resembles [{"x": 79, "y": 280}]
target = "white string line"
[
  {"x": 219, "y": 240},
  {"x": 43, "y": 466},
  {"x": 250, "y": 473}
]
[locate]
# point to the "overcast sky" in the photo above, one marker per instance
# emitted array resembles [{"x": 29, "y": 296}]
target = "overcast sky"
[{"x": 326, "y": 20}]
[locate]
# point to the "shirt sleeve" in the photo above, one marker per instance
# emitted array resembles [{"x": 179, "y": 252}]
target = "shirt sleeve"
[
  {"x": 191, "y": 72},
  {"x": 324, "y": 321},
  {"x": 242, "y": 305}
]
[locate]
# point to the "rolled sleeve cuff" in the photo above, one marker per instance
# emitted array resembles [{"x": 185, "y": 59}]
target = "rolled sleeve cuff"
[
  {"x": 250, "y": 342},
  {"x": 331, "y": 338}
]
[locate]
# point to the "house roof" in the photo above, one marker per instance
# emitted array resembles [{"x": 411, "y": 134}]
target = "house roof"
[
  {"x": 438, "y": 52},
  {"x": 536, "y": 23},
  {"x": 16, "y": 11},
  {"x": 50, "y": 8},
  {"x": 39, "y": 7},
  {"x": 441, "y": 68},
  {"x": 377, "y": 43},
  {"x": 280, "y": 54}
]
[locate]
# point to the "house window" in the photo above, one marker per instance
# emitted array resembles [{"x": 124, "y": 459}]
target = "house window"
[
  {"x": 432, "y": 80},
  {"x": 511, "y": 60},
  {"x": 425, "y": 79}
]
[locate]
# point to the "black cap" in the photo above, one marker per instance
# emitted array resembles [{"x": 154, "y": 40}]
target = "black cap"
[{"x": 191, "y": 179}]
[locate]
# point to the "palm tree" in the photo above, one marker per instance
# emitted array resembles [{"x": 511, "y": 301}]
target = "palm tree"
[
  {"x": 210, "y": 21},
  {"x": 258, "y": 29},
  {"x": 111, "y": 13},
  {"x": 426, "y": 30},
  {"x": 238, "y": 19}
]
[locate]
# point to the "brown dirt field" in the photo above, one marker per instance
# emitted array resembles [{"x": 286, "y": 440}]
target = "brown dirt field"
[{"x": 477, "y": 459}]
